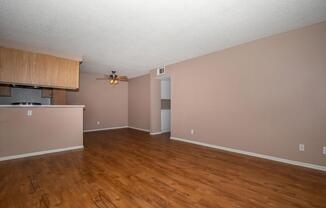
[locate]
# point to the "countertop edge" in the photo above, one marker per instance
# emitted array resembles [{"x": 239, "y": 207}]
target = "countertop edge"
[{"x": 42, "y": 106}]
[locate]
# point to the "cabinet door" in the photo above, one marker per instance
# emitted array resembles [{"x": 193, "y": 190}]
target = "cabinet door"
[
  {"x": 56, "y": 72},
  {"x": 16, "y": 66},
  {"x": 68, "y": 74},
  {"x": 59, "y": 97},
  {"x": 45, "y": 70},
  {"x": 46, "y": 93},
  {"x": 5, "y": 91}
]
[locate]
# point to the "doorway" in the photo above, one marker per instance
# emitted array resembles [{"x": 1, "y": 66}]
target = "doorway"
[{"x": 165, "y": 105}]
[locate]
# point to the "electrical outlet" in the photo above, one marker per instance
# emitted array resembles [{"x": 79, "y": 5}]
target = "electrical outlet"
[
  {"x": 301, "y": 147},
  {"x": 98, "y": 123},
  {"x": 324, "y": 150},
  {"x": 192, "y": 131},
  {"x": 29, "y": 112}
]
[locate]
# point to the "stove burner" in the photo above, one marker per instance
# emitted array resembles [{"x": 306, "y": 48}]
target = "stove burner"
[{"x": 26, "y": 103}]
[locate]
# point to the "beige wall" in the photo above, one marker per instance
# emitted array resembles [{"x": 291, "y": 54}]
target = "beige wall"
[
  {"x": 139, "y": 102},
  {"x": 266, "y": 96},
  {"x": 155, "y": 103},
  {"x": 47, "y": 129},
  {"x": 105, "y": 103}
]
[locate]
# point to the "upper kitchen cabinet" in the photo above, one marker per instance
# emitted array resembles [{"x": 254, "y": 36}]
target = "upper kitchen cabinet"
[{"x": 26, "y": 68}]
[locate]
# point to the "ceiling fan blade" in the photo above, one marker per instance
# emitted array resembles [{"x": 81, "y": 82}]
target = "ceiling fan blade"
[
  {"x": 101, "y": 78},
  {"x": 122, "y": 78}
]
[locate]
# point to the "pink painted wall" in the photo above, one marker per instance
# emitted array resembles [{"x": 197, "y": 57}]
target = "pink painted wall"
[
  {"x": 266, "y": 96},
  {"x": 105, "y": 103},
  {"x": 139, "y": 102},
  {"x": 47, "y": 129},
  {"x": 155, "y": 103},
  {"x": 145, "y": 102}
]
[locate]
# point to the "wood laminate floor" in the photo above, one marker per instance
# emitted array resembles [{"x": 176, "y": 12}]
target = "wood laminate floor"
[{"x": 128, "y": 168}]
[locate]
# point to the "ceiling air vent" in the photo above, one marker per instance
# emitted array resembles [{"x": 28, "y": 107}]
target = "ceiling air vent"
[{"x": 160, "y": 71}]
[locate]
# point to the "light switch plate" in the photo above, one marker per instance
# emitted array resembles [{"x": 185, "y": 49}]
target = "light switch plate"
[
  {"x": 324, "y": 150},
  {"x": 29, "y": 112},
  {"x": 301, "y": 147}
]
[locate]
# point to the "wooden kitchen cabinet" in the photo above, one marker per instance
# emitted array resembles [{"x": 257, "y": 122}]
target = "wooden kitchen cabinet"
[
  {"x": 46, "y": 93},
  {"x": 59, "y": 97},
  {"x": 16, "y": 66},
  {"x": 5, "y": 91},
  {"x": 34, "y": 69}
]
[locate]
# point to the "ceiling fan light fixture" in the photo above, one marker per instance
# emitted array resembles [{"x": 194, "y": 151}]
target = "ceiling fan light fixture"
[{"x": 113, "y": 79}]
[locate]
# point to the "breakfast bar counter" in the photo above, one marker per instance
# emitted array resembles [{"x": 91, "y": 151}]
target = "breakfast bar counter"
[
  {"x": 39, "y": 129},
  {"x": 42, "y": 106}
]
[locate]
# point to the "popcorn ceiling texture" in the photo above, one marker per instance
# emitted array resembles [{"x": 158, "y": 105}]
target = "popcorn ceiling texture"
[{"x": 136, "y": 36}]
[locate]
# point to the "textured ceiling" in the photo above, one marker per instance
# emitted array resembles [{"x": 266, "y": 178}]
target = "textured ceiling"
[{"x": 136, "y": 36}]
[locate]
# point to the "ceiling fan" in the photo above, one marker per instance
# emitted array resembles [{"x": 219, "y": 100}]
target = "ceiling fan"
[{"x": 113, "y": 78}]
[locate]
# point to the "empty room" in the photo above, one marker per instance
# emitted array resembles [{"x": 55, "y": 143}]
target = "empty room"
[{"x": 163, "y": 104}]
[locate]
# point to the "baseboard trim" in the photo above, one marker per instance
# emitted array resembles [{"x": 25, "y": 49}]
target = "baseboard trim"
[
  {"x": 40, "y": 153},
  {"x": 268, "y": 157},
  {"x": 159, "y": 132},
  {"x": 156, "y": 133},
  {"x": 140, "y": 129},
  {"x": 117, "y": 127},
  {"x": 104, "y": 129}
]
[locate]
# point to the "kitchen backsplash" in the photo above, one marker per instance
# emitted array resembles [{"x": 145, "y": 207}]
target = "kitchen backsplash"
[{"x": 19, "y": 94}]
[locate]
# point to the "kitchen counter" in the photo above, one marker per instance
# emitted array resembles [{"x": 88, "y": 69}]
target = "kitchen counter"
[{"x": 42, "y": 106}]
